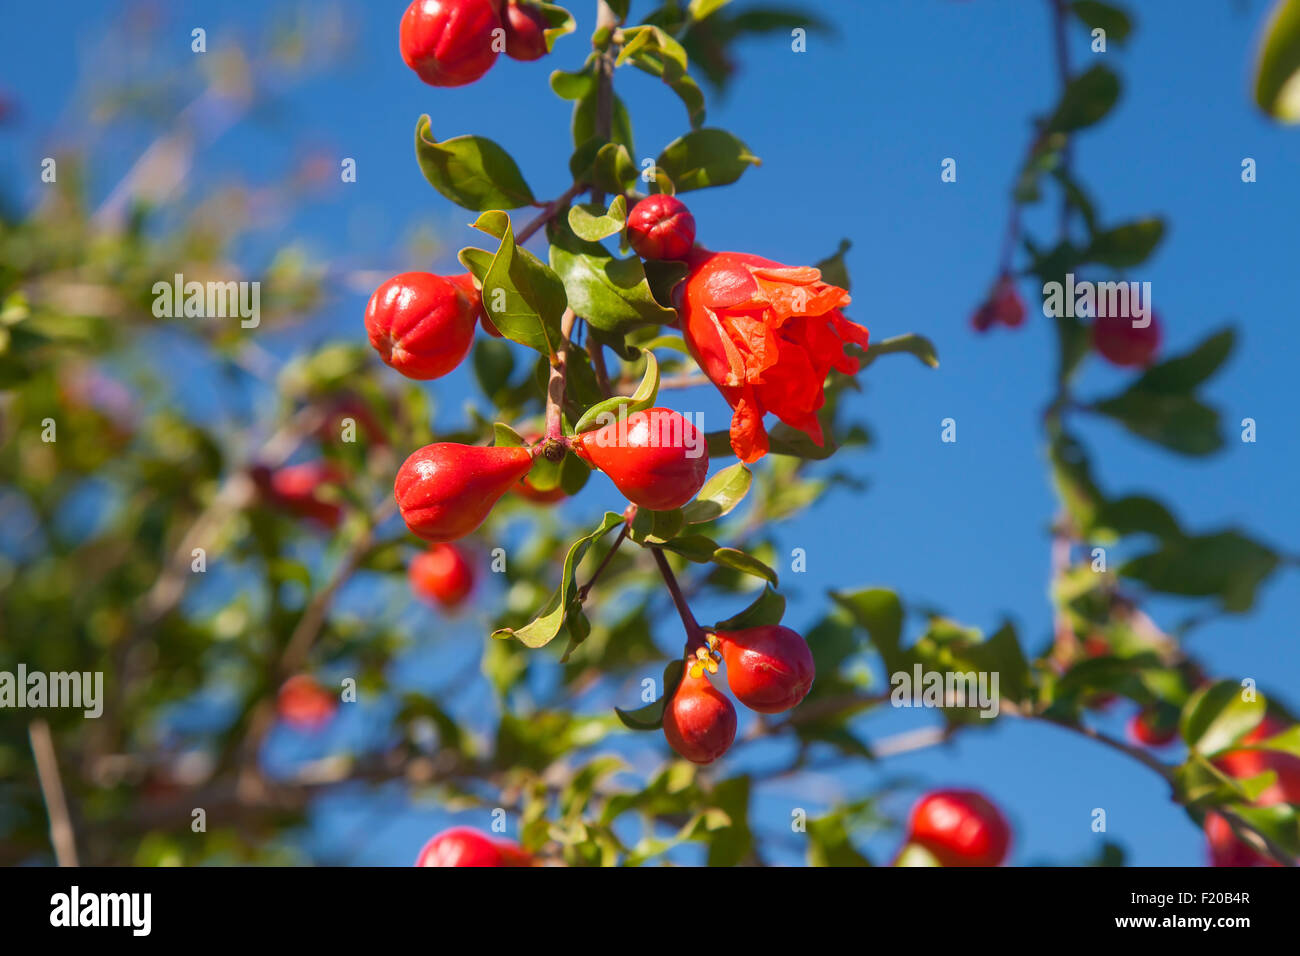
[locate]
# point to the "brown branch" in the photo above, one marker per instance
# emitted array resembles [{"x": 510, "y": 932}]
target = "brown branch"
[
  {"x": 548, "y": 212},
  {"x": 694, "y": 633},
  {"x": 555, "y": 384},
  {"x": 604, "y": 563},
  {"x": 62, "y": 835}
]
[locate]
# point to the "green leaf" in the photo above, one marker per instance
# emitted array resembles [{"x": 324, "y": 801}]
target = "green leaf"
[
  {"x": 477, "y": 261},
  {"x": 880, "y": 613},
  {"x": 768, "y": 609},
  {"x": 655, "y": 52},
  {"x": 559, "y": 22},
  {"x": 1179, "y": 422},
  {"x": 701, "y": 9},
  {"x": 702, "y": 549},
  {"x": 613, "y": 170},
  {"x": 745, "y": 563},
  {"x": 470, "y": 171},
  {"x": 651, "y": 716},
  {"x": 612, "y": 294},
  {"x": 1088, "y": 98},
  {"x": 1185, "y": 372},
  {"x": 720, "y": 494},
  {"x": 693, "y": 547},
  {"x": 546, "y": 625},
  {"x": 655, "y": 527},
  {"x": 1103, "y": 16},
  {"x": 521, "y": 295},
  {"x": 643, "y": 398},
  {"x": 911, "y": 343},
  {"x": 704, "y": 158},
  {"x": 1226, "y": 565},
  {"x": 584, "y": 121},
  {"x": 1277, "y": 70},
  {"x": 1216, "y": 717},
  {"x": 503, "y": 436},
  {"x": 1136, "y": 514},
  {"x": 1126, "y": 246},
  {"x": 833, "y": 268},
  {"x": 592, "y": 223},
  {"x": 493, "y": 363}
]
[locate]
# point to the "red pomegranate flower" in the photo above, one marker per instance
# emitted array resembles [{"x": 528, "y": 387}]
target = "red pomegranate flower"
[{"x": 766, "y": 335}]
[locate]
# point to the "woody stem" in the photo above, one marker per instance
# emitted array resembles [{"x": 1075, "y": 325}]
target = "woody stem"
[
  {"x": 555, "y": 385},
  {"x": 695, "y": 637}
]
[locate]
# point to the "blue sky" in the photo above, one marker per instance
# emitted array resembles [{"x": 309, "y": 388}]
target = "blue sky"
[{"x": 852, "y": 134}]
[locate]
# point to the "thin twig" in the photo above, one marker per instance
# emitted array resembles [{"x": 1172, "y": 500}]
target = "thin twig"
[
  {"x": 555, "y": 384},
  {"x": 694, "y": 633},
  {"x": 47, "y": 771},
  {"x": 604, "y": 563},
  {"x": 548, "y": 212}
]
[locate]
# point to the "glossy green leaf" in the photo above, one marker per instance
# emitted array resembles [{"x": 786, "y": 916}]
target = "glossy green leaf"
[
  {"x": 704, "y": 158},
  {"x": 644, "y": 397},
  {"x": 656, "y": 527},
  {"x": 720, "y": 494},
  {"x": 745, "y": 563},
  {"x": 652, "y": 50},
  {"x": 521, "y": 295},
  {"x": 593, "y": 223},
  {"x": 470, "y": 171},
  {"x": 546, "y": 625},
  {"x": 503, "y": 436},
  {"x": 611, "y": 294}
]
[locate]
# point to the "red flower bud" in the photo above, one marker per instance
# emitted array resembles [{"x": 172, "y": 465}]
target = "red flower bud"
[
  {"x": 465, "y": 846},
  {"x": 304, "y": 704},
  {"x": 961, "y": 828},
  {"x": 769, "y": 669},
  {"x": 766, "y": 335},
  {"x": 1120, "y": 341},
  {"x": 422, "y": 324},
  {"x": 656, "y": 458},
  {"x": 699, "y": 722},
  {"x": 661, "y": 227},
  {"x": 442, "y": 574},
  {"x": 295, "y": 488},
  {"x": 1003, "y": 305},
  {"x": 525, "y": 31},
  {"x": 445, "y": 490},
  {"x": 1152, "y": 729},
  {"x": 449, "y": 42}
]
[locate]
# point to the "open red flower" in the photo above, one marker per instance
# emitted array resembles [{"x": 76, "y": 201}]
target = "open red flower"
[{"x": 766, "y": 335}]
